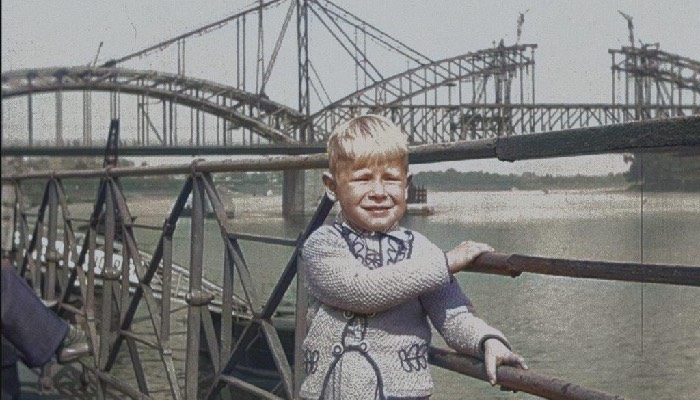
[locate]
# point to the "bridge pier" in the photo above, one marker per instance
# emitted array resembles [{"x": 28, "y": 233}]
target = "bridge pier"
[{"x": 293, "y": 190}]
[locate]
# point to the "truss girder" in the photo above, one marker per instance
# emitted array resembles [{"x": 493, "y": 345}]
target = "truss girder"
[
  {"x": 402, "y": 87},
  {"x": 660, "y": 66},
  {"x": 270, "y": 120},
  {"x": 440, "y": 73},
  {"x": 427, "y": 124}
]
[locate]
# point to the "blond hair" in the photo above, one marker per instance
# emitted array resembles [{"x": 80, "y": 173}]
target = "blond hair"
[{"x": 366, "y": 140}]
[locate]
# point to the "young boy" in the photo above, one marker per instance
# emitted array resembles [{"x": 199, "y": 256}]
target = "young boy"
[{"x": 374, "y": 284}]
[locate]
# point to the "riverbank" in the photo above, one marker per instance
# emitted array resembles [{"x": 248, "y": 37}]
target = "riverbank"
[
  {"x": 481, "y": 207},
  {"x": 465, "y": 206}
]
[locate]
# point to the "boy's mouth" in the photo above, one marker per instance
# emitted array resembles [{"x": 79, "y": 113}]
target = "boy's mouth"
[
  {"x": 386, "y": 207},
  {"x": 377, "y": 209}
]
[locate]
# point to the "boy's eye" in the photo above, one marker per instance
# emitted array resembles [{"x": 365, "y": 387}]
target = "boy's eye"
[
  {"x": 362, "y": 178},
  {"x": 392, "y": 177}
]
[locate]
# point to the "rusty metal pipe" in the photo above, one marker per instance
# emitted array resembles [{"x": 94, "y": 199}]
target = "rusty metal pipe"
[{"x": 515, "y": 378}]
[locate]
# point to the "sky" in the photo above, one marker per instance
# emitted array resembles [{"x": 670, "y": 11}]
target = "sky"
[{"x": 573, "y": 38}]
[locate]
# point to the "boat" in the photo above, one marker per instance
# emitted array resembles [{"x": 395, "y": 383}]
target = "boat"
[{"x": 420, "y": 209}]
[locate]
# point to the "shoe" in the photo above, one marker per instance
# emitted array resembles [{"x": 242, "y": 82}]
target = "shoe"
[
  {"x": 50, "y": 303},
  {"x": 74, "y": 346}
]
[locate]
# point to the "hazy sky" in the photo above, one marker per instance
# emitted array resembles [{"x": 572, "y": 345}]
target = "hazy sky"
[{"x": 573, "y": 64}]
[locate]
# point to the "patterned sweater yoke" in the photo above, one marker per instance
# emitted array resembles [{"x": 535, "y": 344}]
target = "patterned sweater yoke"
[{"x": 371, "y": 297}]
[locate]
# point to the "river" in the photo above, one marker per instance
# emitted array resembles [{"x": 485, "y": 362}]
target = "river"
[{"x": 641, "y": 341}]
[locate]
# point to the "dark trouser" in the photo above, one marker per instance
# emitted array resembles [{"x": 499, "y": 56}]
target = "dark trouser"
[
  {"x": 32, "y": 328},
  {"x": 10, "y": 382}
]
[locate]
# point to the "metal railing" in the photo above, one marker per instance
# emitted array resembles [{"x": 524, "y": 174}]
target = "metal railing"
[{"x": 112, "y": 325}]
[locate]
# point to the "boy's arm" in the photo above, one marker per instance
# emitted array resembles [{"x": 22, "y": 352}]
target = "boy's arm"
[
  {"x": 335, "y": 277},
  {"x": 451, "y": 313}
]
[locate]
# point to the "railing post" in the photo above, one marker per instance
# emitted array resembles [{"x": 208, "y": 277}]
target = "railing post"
[
  {"x": 20, "y": 224},
  {"x": 194, "y": 316},
  {"x": 109, "y": 275},
  {"x": 227, "y": 307},
  {"x": 300, "y": 326},
  {"x": 51, "y": 254},
  {"x": 9, "y": 210}
]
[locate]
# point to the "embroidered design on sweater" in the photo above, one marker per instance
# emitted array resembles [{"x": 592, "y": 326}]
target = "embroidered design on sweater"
[
  {"x": 388, "y": 249},
  {"x": 414, "y": 357},
  {"x": 352, "y": 341},
  {"x": 311, "y": 361},
  {"x": 396, "y": 250}
]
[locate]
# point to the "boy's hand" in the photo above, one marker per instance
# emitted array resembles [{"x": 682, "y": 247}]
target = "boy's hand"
[
  {"x": 496, "y": 353},
  {"x": 462, "y": 256}
]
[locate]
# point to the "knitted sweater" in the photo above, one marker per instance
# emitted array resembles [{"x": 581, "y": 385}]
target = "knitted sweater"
[{"x": 371, "y": 297}]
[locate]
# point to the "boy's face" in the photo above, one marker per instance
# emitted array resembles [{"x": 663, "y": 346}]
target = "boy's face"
[{"x": 372, "y": 197}]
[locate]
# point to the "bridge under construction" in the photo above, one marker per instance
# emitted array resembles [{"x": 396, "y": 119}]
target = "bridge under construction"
[{"x": 477, "y": 95}]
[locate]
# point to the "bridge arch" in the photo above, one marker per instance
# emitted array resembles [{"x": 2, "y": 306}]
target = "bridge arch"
[{"x": 270, "y": 120}]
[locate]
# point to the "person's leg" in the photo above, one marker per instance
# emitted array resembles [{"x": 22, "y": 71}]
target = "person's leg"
[
  {"x": 10, "y": 377},
  {"x": 27, "y": 323},
  {"x": 10, "y": 382}
]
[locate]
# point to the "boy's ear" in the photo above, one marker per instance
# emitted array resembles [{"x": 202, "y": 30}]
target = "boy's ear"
[
  {"x": 409, "y": 178},
  {"x": 329, "y": 183}
]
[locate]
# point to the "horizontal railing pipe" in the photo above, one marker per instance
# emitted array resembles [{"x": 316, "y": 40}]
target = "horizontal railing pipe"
[
  {"x": 265, "y": 239},
  {"x": 512, "y": 378},
  {"x": 663, "y": 134},
  {"x": 161, "y": 150},
  {"x": 515, "y": 264},
  {"x": 134, "y": 225}
]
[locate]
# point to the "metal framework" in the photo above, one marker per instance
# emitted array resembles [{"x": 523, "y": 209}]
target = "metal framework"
[
  {"x": 451, "y": 74},
  {"x": 151, "y": 280},
  {"x": 443, "y": 124},
  {"x": 654, "y": 78}
]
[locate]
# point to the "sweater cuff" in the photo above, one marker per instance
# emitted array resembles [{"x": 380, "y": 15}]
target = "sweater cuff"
[
  {"x": 483, "y": 340},
  {"x": 447, "y": 266}
]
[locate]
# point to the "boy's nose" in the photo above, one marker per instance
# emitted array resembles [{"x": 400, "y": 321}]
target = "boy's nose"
[{"x": 378, "y": 188}]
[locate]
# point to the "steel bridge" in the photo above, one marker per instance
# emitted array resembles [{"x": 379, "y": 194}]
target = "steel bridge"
[{"x": 480, "y": 94}]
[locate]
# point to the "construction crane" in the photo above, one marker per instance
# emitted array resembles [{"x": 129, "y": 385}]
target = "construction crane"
[
  {"x": 521, "y": 21},
  {"x": 630, "y": 26}
]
